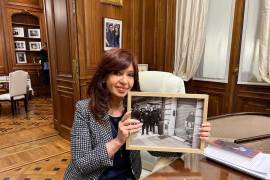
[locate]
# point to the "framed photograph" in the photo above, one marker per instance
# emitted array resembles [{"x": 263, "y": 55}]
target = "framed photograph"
[
  {"x": 18, "y": 32},
  {"x": 143, "y": 67},
  {"x": 34, "y": 46},
  {"x": 34, "y": 33},
  {"x": 171, "y": 121},
  {"x": 112, "y": 33},
  {"x": 21, "y": 58},
  {"x": 19, "y": 45},
  {"x": 113, "y": 2}
]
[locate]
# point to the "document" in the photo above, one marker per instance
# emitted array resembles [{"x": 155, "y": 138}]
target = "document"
[{"x": 240, "y": 157}]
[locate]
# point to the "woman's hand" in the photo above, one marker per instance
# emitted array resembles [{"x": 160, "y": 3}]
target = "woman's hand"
[
  {"x": 205, "y": 131},
  {"x": 127, "y": 126}
]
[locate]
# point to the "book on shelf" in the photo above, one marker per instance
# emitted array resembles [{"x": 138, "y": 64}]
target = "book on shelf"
[{"x": 245, "y": 159}]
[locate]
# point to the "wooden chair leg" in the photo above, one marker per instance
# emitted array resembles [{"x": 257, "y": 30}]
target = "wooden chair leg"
[
  {"x": 26, "y": 103},
  {"x": 12, "y": 106}
]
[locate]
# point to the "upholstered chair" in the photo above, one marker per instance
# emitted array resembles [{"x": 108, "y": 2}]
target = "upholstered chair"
[
  {"x": 17, "y": 89},
  {"x": 158, "y": 81}
]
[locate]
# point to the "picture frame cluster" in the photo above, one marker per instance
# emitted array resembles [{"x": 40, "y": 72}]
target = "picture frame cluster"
[{"x": 25, "y": 39}]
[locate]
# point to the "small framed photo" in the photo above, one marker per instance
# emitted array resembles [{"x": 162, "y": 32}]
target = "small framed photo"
[
  {"x": 18, "y": 32},
  {"x": 171, "y": 121},
  {"x": 112, "y": 33},
  {"x": 113, "y": 2},
  {"x": 20, "y": 45},
  {"x": 143, "y": 67},
  {"x": 21, "y": 58},
  {"x": 34, "y": 46},
  {"x": 34, "y": 33}
]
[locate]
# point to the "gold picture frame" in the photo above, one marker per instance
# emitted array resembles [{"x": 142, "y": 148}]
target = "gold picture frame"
[
  {"x": 113, "y": 2},
  {"x": 171, "y": 121}
]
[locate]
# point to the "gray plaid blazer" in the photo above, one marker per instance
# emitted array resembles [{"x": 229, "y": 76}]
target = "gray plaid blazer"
[{"x": 88, "y": 150}]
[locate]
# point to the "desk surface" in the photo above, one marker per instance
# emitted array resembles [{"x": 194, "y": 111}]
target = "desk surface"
[{"x": 199, "y": 169}]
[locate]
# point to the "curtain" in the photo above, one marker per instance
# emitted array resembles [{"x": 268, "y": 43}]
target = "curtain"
[
  {"x": 264, "y": 49},
  {"x": 190, "y": 35}
]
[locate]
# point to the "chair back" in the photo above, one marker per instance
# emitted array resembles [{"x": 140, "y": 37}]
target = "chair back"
[
  {"x": 17, "y": 83},
  {"x": 159, "y": 81}
]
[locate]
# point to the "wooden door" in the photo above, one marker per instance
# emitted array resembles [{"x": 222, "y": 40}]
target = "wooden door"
[{"x": 62, "y": 42}]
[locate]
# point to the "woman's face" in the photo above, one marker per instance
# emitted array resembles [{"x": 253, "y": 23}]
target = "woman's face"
[{"x": 120, "y": 83}]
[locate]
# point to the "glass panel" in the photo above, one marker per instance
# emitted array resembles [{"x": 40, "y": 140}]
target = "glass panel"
[
  {"x": 248, "y": 71},
  {"x": 215, "y": 60}
]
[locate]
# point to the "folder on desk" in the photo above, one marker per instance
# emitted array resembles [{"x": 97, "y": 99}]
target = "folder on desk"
[{"x": 257, "y": 165}]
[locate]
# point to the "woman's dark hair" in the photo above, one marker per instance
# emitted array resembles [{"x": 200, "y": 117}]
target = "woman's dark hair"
[{"x": 113, "y": 60}]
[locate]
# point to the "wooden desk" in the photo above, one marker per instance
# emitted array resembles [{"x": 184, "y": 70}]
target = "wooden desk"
[{"x": 199, "y": 168}]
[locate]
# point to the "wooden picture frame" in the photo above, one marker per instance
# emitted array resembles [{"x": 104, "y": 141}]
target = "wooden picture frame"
[
  {"x": 113, "y": 2},
  {"x": 112, "y": 33},
  {"x": 21, "y": 58},
  {"x": 18, "y": 32},
  {"x": 171, "y": 121}
]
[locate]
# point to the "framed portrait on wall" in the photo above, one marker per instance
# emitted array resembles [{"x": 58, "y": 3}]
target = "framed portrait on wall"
[
  {"x": 34, "y": 33},
  {"x": 21, "y": 58},
  {"x": 34, "y": 46},
  {"x": 19, "y": 45},
  {"x": 171, "y": 121},
  {"x": 18, "y": 32},
  {"x": 113, "y": 2},
  {"x": 112, "y": 33}
]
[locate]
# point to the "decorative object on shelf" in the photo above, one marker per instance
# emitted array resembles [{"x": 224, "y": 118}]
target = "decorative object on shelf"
[
  {"x": 34, "y": 46},
  {"x": 34, "y": 33},
  {"x": 21, "y": 57},
  {"x": 113, "y": 2},
  {"x": 18, "y": 32},
  {"x": 19, "y": 45},
  {"x": 112, "y": 33},
  {"x": 143, "y": 67}
]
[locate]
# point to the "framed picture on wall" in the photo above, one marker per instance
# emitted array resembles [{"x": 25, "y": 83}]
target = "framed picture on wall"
[
  {"x": 21, "y": 58},
  {"x": 18, "y": 32},
  {"x": 112, "y": 33},
  {"x": 34, "y": 46},
  {"x": 143, "y": 67},
  {"x": 171, "y": 121},
  {"x": 19, "y": 45},
  {"x": 34, "y": 33},
  {"x": 113, "y": 2}
]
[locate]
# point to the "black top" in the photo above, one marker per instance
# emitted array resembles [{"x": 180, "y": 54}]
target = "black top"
[{"x": 121, "y": 169}]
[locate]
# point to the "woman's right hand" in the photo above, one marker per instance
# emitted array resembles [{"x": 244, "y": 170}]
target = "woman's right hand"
[{"x": 127, "y": 126}]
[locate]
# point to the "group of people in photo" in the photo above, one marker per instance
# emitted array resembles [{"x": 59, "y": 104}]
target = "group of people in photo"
[
  {"x": 113, "y": 35},
  {"x": 150, "y": 116}
]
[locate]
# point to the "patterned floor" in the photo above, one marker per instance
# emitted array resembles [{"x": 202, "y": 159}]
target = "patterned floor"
[{"x": 40, "y": 114}]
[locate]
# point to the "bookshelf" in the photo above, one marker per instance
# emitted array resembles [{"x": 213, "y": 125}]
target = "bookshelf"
[{"x": 27, "y": 38}]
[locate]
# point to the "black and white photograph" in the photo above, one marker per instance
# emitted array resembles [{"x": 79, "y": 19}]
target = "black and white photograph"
[
  {"x": 19, "y": 45},
  {"x": 34, "y": 33},
  {"x": 34, "y": 46},
  {"x": 21, "y": 58},
  {"x": 170, "y": 122},
  {"x": 112, "y": 33},
  {"x": 18, "y": 32}
]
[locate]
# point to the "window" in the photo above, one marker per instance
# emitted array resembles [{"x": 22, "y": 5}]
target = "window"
[{"x": 215, "y": 60}]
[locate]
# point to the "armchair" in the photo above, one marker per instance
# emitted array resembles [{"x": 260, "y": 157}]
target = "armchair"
[
  {"x": 158, "y": 81},
  {"x": 17, "y": 89}
]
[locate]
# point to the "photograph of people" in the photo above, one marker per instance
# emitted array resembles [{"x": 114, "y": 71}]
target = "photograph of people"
[
  {"x": 112, "y": 33},
  {"x": 101, "y": 124}
]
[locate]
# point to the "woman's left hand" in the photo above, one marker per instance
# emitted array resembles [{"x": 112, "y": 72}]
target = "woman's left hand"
[{"x": 205, "y": 131}]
